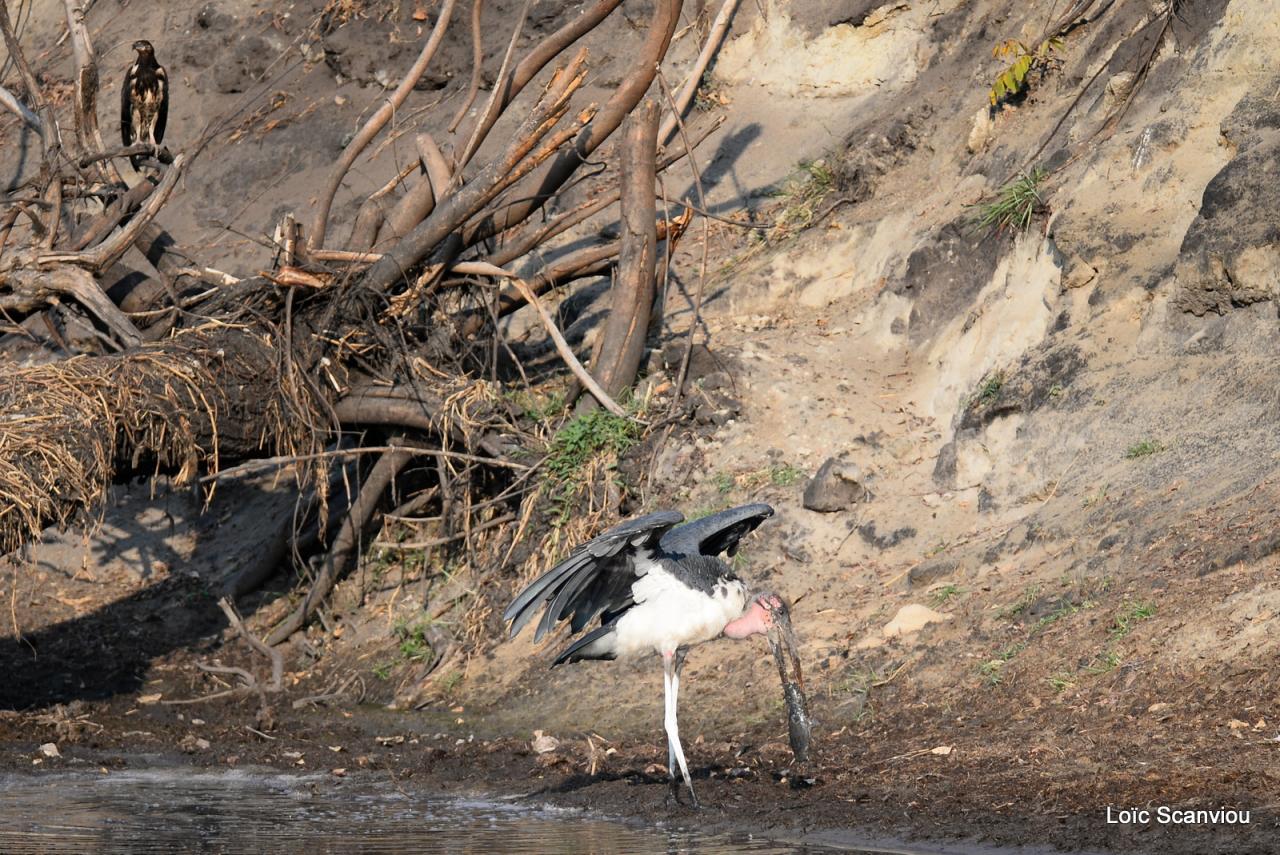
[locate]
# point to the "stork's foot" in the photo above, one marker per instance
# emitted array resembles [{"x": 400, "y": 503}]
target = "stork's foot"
[
  {"x": 693, "y": 799},
  {"x": 673, "y": 795}
]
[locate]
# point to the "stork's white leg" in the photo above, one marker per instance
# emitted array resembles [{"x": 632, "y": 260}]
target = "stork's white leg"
[
  {"x": 668, "y": 716},
  {"x": 671, "y": 671}
]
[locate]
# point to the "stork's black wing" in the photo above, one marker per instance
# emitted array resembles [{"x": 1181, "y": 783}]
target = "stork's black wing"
[
  {"x": 716, "y": 533},
  {"x": 126, "y": 106},
  {"x": 162, "y": 110},
  {"x": 597, "y": 576}
]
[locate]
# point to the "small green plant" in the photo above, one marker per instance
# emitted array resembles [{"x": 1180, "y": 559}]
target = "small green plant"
[
  {"x": 1104, "y": 663},
  {"x": 724, "y": 482},
  {"x": 988, "y": 390},
  {"x": 1066, "y": 609},
  {"x": 1020, "y": 605},
  {"x": 450, "y": 682},
  {"x": 577, "y": 443},
  {"x": 1061, "y": 681},
  {"x": 1146, "y": 448},
  {"x": 1095, "y": 498},
  {"x": 413, "y": 639},
  {"x": 383, "y": 670},
  {"x": 538, "y": 407},
  {"x": 1130, "y": 614},
  {"x": 1016, "y": 79},
  {"x": 993, "y": 669},
  {"x": 1015, "y": 205},
  {"x": 942, "y": 595},
  {"x": 803, "y": 193},
  {"x": 785, "y": 475}
]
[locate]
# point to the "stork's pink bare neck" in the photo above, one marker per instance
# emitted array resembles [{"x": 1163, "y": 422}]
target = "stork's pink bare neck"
[{"x": 754, "y": 621}]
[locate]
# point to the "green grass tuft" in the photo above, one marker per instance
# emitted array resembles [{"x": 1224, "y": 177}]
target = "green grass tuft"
[
  {"x": 988, "y": 390},
  {"x": 803, "y": 193},
  {"x": 1131, "y": 614},
  {"x": 1146, "y": 448},
  {"x": 785, "y": 475},
  {"x": 1015, "y": 205},
  {"x": 945, "y": 593},
  {"x": 577, "y": 444}
]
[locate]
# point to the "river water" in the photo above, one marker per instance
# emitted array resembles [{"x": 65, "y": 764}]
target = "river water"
[{"x": 183, "y": 810}]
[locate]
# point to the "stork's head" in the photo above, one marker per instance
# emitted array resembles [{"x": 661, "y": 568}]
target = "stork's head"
[{"x": 144, "y": 48}]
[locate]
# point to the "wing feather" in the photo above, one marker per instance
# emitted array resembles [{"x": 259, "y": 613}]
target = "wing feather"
[
  {"x": 126, "y": 106},
  {"x": 162, "y": 116},
  {"x": 716, "y": 533},
  {"x": 574, "y": 585}
]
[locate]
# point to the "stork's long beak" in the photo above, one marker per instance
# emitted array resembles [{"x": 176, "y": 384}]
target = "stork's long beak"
[{"x": 799, "y": 725}]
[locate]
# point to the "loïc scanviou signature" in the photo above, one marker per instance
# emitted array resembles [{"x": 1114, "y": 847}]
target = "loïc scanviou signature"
[{"x": 1164, "y": 815}]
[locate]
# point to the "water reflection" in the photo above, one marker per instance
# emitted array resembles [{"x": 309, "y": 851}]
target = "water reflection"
[{"x": 255, "y": 812}]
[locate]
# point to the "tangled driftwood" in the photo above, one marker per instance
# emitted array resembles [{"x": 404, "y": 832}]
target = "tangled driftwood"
[{"x": 384, "y": 336}]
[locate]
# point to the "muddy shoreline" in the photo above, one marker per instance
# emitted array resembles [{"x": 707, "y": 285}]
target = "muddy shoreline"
[{"x": 854, "y": 794}]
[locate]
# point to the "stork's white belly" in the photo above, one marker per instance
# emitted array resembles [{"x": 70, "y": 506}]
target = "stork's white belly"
[{"x": 668, "y": 614}]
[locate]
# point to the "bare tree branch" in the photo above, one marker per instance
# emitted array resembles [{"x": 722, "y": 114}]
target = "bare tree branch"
[
  {"x": 319, "y": 223},
  {"x": 10, "y": 102},
  {"x": 622, "y": 341},
  {"x": 709, "y": 48}
]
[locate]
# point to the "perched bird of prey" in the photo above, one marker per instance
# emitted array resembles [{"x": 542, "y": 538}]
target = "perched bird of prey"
[
  {"x": 144, "y": 100},
  {"x": 657, "y": 586}
]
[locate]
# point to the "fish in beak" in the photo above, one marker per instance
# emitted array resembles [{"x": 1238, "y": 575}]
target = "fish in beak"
[{"x": 782, "y": 639}]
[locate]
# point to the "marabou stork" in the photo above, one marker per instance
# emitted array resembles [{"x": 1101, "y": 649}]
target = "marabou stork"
[
  {"x": 658, "y": 587},
  {"x": 144, "y": 100}
]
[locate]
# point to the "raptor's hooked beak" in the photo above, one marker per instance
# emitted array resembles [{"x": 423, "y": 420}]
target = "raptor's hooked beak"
[{"x": 782, "y": 639}]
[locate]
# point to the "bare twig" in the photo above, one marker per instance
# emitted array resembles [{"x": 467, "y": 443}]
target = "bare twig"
[
  {"x": 107, "y": 253},
  {"x": 444, "y": 541},
  {"x": 496, "y": 102},
  {"x": 346, "y": 545},
  {"x": 684, "y": 98},
  {"x": 562, "y": 346},
  {"x": 88, "y": 134},
  {"x": 513, "y": 84},
  {"x": 702, "y": 268},
  {"x": 32, "y": 289},
  {"x": 10, "y": 102},
  {"x": 418, "y": 203},
  {"x": 273, "y": 656},
  {"x": 636, "y": 80},
  {"x": 319, "y": 222},
  {"x": 477, "y": 64}
]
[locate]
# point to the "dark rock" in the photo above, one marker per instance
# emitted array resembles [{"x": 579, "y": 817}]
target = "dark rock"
[
  {"x": 702, "y": 361},
  {"x": 210, "y": 17},
  {"x": 837, "y": 486},
  {"x": 1230, "y": 255},
  {"x": 1042, "y": 376},
  {"x": 944, "y": 274},
  {"x": 928, "y": 572},
  {"x": 944, "y": 470},
  {"x": 717, "y": 380},
  {"x": 986, "y": 501}
]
